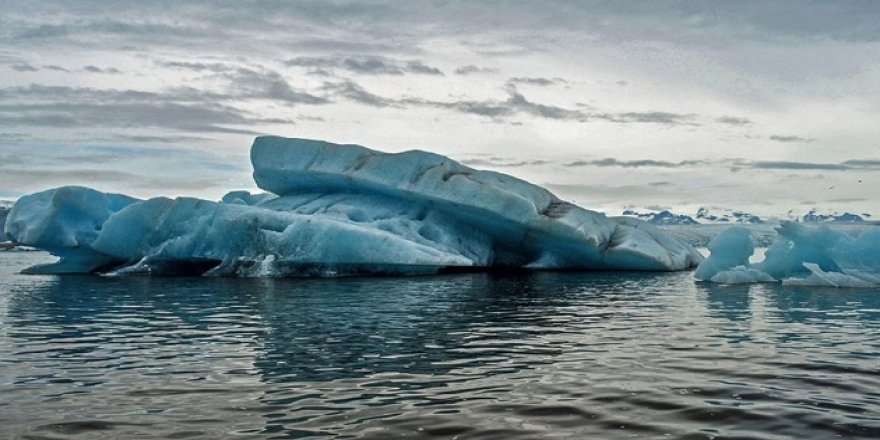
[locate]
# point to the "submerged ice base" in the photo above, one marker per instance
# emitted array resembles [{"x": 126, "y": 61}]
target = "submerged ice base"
[
  {"x": 337, "y": 210},
  {"x": 802, "y": 255}
]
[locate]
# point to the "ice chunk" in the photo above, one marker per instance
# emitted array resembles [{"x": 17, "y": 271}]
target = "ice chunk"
[
  {"x": 819, "y": 277},
  {"x": 232, "y": 239},
  {"x": 342, "y": 209},
  {"x": 526, "y": 222},
  {"x": 730, "y": 249},
  {"x": 64, "y": 221},
  {"x": 802, "y": 255}
]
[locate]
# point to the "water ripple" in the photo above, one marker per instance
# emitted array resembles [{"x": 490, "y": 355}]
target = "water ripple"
[{"x": 475, "y": 356}]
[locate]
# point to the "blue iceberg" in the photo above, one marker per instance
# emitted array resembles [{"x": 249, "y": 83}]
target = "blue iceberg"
[
  {"x": 333, "y": 210},
  {"x": 802, "y": 255}
]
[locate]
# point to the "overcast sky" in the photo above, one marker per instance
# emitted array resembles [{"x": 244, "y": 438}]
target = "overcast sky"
[{"x": 761, "y": 106}]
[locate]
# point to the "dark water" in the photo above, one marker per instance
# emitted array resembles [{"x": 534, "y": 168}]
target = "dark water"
[{"x": 543, "y": 355}]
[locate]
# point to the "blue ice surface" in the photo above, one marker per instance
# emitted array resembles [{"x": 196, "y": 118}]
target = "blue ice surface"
[
  {"x": 802, "y": 255},
  {"x": 335, "y": 209}
]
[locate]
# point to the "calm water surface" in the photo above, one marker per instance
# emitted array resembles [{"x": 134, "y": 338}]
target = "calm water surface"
[{"x": 542, "y": 355}]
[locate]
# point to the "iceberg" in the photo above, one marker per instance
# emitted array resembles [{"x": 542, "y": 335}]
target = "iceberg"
[
  {"x": 801, "y": 256},
  {"x": 334, "y": 209}
]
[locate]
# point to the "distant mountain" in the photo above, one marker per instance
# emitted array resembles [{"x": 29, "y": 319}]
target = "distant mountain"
[
  {"x": 814, "y": 217},
  {"x": 723, "y": 216},
  {"x": 661, "y": 218},
  {"x": 729, "y": 217}
]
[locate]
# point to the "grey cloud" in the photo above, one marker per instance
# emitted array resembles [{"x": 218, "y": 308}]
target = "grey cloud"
[
  {"x": 499, "y": 162},
  {"x": 44, "y": 164},
  {"x": 176, "y": 116},
  {"x": 181, "y": 184},
  {"x": 607, "y": 192},
  {"x": 11, "y": 160},
  {"x": 518, "y": 102},
  {"x": 849, "y": 165},
  {"x": 55, "y": 176},
  {"x": 863, "y": 163},
  {"x": 419, "y": 67},
  {"x": 470, "y": 68},
  {"x": 367, "y": 65},
  {"x": 612, "y": 162},
  {"x": 515, "y": 104},
  {"x": 23, "y": 68},
  {"x": 355, "y": 92},
  {"x": 651, "y": 117},
  {"x": 42, "y": 178},
  {"x": 349, "y": 46},
  {"x": 677, "y": 21},
  {"x": 243, "y": 83},
  {"x": 198, "y": 66},
  {"x": 733, "y": 120},
  {"x": 249, "y": 83},
  {"x": 96, "y": 69},
  {"x": 268, "y": 84},
  {"x": 781, "y": 138},
  {"x": 183, "y": 108},
  {"x": 734, "y": 164},
  {"x": 319, "y": 72},
  {"x": 13, "y": 137},
  {"x": 80, "y": 27},
  {"x": 790, "y": 165},
  {"x": 536, "y": 81},
  {"x": 159, "y": 139}
]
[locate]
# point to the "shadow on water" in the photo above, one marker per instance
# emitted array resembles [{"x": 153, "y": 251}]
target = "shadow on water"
[{"x": 322, "y": 329}]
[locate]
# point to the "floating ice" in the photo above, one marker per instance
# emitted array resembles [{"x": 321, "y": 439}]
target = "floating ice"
[
  {"x": 802, "y": 255},
  {"x": 64, "y": 221},
  {"x": 336, "y": 210}
]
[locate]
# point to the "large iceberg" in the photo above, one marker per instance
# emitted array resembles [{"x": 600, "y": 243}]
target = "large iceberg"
[
  {"x": 338, "y": 210},
  {"x": 802, "y": 255}
]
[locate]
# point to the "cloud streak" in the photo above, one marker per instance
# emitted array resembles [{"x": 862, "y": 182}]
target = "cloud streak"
[
  {"x": 790, "y": 139},
  {"x": 612, "y": 162},
  {"x": 366, "y": 65}
]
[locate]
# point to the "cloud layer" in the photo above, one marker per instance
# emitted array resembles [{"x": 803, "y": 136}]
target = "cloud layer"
[{"x": 715, "y": 100}]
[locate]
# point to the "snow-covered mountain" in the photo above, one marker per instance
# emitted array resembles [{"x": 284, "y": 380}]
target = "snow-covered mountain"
[
  {"x": 703, "y": 216},
  {"x": 815, "y": 217},
  {"x": 728, "y": 216},
  {"x": 664, "y": 217}
]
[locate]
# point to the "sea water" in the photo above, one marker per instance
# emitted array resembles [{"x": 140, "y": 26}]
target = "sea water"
[{"x": 528, "y": 355}]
